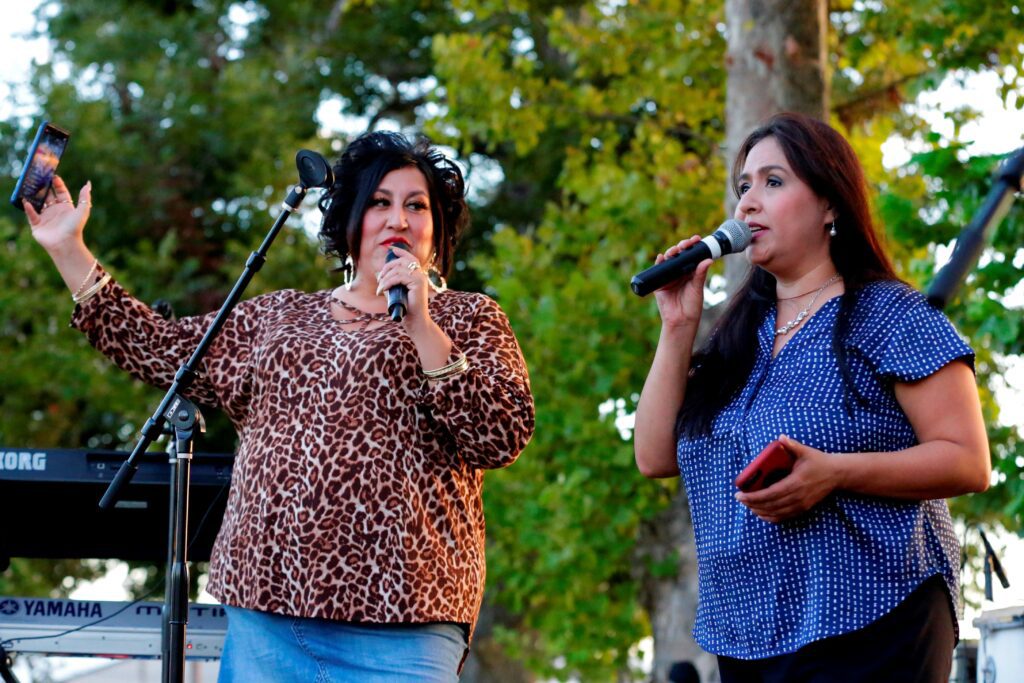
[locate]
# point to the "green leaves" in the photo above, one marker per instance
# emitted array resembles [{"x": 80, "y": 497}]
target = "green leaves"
[
  {"x": 592, "y": 132},
  {"x": 632, "y": 97},
  {"x": 637, "y": 161}
]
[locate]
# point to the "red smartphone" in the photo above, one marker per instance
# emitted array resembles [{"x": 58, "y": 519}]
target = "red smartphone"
[
  {"x": 40, "y": 166},
  {"x": 770, "y": 465}
]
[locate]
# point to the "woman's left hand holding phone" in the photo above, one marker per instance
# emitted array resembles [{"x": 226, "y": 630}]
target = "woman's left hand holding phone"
[
  {"x": 58, "y": 229},
  {"x": 812, "y": 479}
]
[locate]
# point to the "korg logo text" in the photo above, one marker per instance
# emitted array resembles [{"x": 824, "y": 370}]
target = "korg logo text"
[{"x": 22, "y": 460}]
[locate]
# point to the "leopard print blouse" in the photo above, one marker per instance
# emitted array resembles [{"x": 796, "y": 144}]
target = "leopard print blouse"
[{"x": 356, "y": 489}]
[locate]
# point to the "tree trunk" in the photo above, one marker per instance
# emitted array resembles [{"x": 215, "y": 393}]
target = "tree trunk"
[
  {"x": 671, "y": 601},
  {"x": 776, "y": 56},
  {"x": 487, "y": 661},
  {"x": 776, "y": 60}
]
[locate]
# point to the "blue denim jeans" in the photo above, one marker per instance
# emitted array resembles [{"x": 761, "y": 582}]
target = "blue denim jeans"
[{"x": 273, "y": 648}]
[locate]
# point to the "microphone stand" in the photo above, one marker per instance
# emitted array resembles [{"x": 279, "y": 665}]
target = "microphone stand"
[
  {"x": 992, "y": 563},
  {"x": 183, "y": 417},
  {"x": 974, "y": 237},
  {"x": 6, "y": 675}
]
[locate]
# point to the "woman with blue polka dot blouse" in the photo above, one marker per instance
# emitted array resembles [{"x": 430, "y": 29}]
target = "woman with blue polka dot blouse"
[{"x": 847, "y": 568}]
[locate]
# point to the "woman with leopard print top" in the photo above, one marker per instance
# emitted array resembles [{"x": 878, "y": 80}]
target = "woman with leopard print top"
[{"x": 352, "y": 547}]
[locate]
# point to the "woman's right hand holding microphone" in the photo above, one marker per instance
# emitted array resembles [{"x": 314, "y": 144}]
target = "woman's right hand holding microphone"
[{"x": 681, "y": 303}]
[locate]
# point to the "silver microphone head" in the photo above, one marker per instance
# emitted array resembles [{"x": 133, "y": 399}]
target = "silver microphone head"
[{"x": 737, "y": 233}]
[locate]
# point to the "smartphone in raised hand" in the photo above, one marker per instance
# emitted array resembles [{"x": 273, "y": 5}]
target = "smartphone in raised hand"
[{"x": 40, "y": 167}]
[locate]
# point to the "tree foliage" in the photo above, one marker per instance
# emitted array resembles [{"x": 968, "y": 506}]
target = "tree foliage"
[
  {"x": 185, "y": 117},
  {"x": 592, "y": 131},
  {"x": 629, "y": 96}
]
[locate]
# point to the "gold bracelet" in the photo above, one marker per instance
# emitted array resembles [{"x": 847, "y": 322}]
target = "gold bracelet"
[
  {"x": 85, "y": 281},
  {"x": 92, "y": 291},
  {"x": 452, "y": 373},
  {"x": 445, "y": 368},
  {"x": 459, "y": 365}
]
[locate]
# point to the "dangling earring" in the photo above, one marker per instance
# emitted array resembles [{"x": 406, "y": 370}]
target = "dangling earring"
[
  {"x": 349, "y": 268},
  {"x": 434, "y": 277},
  {"x": 832, "y": 232}
]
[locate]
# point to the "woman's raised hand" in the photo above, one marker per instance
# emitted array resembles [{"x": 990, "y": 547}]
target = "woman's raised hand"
[
  {"x": 682, "y": 302},
  {"x": 58, "y": 228},
  {"x": 60, "y": 223}
]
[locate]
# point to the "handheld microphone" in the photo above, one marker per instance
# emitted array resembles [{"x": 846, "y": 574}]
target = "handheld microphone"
[
  {"x": 398, "y": 296},
  {"x": 731, "y": 236}
]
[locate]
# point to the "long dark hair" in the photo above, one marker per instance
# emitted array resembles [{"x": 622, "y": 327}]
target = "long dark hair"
[
  {"x": 358, "y": 174},
  {"x": 825, "y": 161}
]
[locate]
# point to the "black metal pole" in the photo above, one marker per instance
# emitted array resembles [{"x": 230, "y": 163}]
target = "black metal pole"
[
  {"x": 185, "y": 418},
  {"x": 974, "y": 237},
  {"x": 992, "y": 563},
  {"x": 5, "y": 667},
  {"x": 314, "y": 171},
  {"x": 186, "y": 373}
]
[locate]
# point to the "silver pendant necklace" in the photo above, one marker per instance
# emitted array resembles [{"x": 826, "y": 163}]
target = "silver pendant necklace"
[{"x": 807, "y": 309}]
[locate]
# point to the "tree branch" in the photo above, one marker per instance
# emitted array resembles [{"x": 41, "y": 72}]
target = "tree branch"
[
  {"x": 879, "y": 99},
  {"x": 334, "y": 18}
]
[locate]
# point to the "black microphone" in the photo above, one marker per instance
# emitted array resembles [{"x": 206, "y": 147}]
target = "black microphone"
[
  {"x": 398, "y": 296},
  {"x": 731, "y": 236}
]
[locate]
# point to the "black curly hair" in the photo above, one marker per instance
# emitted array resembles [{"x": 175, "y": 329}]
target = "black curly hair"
[{"x": 358, "y": 174}]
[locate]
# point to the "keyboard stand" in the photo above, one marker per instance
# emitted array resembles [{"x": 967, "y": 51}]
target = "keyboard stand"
[
  {"x": 5, "y": 667},
  {"x": 111, "y": 629}
]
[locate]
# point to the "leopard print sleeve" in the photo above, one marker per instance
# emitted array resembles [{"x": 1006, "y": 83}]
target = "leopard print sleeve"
[
  {"x": 488, "y": 409},
  {"x": 152, "y": 349}
]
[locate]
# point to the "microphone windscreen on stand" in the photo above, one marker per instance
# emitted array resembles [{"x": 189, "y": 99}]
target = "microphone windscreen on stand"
[{"x": 314, "y": 171}]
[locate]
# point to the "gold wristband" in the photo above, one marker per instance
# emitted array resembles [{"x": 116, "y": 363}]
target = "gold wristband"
[
  {"x": 85, "y": 280},
  {"x": 459, "y": 365},
  {"x": 92, "y": 291}
]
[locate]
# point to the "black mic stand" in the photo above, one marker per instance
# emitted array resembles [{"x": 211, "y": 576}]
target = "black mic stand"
[
  {"x": 992, "y": 564},
  {"x": 973, "y": 238},
  {"x": 6, "y": 675},
  {"x": 184, "y": 419},
  {"x": 313, "y": 172}
]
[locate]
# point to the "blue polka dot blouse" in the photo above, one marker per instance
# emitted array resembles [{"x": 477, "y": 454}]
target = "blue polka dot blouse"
[{"x": 769, "y": 589}]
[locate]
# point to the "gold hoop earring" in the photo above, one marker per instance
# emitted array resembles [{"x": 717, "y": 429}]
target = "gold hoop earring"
[
  {"x": 349, "y": 268},
  {"x": 435, "y": 279}
]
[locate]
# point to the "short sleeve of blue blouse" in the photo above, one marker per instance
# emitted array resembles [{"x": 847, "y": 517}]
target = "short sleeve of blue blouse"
[
  {"x": 902, "y": 336},
  {"x": 768, "y": 589}
]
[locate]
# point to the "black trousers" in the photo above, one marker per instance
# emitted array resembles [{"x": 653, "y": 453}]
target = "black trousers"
[{"x": 911, "y": 644}]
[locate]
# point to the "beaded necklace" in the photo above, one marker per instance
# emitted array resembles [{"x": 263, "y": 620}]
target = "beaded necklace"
[
  {"x": 807, "y": 309},
  {"x": 362, "y": 317}
]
